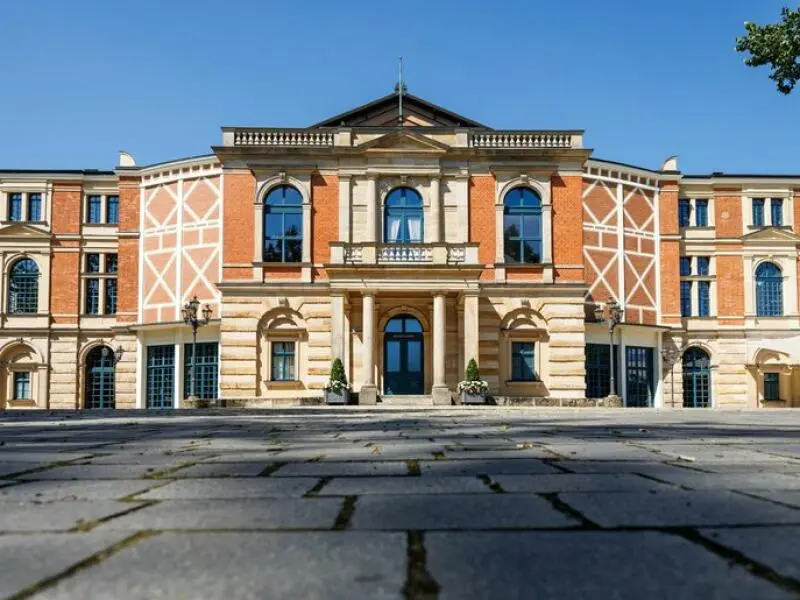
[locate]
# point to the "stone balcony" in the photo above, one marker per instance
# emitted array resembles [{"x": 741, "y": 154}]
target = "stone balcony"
[{"x": 371, "y": 254}]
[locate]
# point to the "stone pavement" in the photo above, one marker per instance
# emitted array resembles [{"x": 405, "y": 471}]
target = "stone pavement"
[{"x": 373, "y": 503}]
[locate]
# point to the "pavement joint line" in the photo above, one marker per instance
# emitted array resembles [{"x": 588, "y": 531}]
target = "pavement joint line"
[
  {"x": 54, "y": 465},
  {"x": 267, "y": 471},
  {"x": 133, "y": 498},
  {"x": 420, "y": 584},
  {"x": 658, "y": 480},
  {"x": 732, "y": 556},
  {"x": 555, "y": 464},
  {"x": 168, "y": 471},
  {"x": 314, "y": 491},
  {"x": 491, "y": 484},
  {"x": 752, "y": 494},
  {"x": 565, "y": 509},
  {"x": 342, "y": 521},
  {"x": 413, "y": 468},
  {"x": 86, "y": 526},
  {"x": 86, "y": 563}
]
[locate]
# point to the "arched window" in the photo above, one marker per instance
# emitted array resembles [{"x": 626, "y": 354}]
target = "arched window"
[
  {"x": 522, "y": 226},
  {"x": 23, "y": 287},
  {"x": 403, "y": 218},
  {"x": 696, "y": 379},
  {"x": 283, "y": 225},
  {"x": 100, "y": 378},
  {"x": 769, "y": 290}
]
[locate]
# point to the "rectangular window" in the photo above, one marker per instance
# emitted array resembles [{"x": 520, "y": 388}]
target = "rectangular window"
[
  {"x": 206, "y": 368},
  {"x": 283, "y": 361},
  {"x": 92, "y": 263},
  {"x": 772, "y": 388},
  {"x": 701, "y": 213},
  {"x": 703, "y": 298},
  {"x": 93, "y": 210},
  {"x": 522, "y": 361},
  {"x": 34, "y": 207},
  {"x": 686, "y": 298},
  {"x": 758, "y": 212},
  {"x": 22, "y": 385},
  {"x": 111, "y": 297},
  {"x": 111, "y": 263},
  {"x": 703, "y": 265},
  {"x": 92, "y": 297},
  {"x": 683, "y": 212},
  {"x": 161, "y": 376},
  {"x": 598, "y": 370},
  {"x": 776, "y": 210},
  {"x": 686, "y": 265},
  {"x": 112, "y": 210},
  {"x": 15, "y": 207}
]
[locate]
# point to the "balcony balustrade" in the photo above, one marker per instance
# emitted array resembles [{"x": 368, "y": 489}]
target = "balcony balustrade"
[{"x": 403, "y": 254}]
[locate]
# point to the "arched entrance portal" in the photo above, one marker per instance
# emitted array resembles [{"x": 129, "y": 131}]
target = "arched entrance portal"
[
  {"x": 696, "y": 379},
  {"x": 403, "y": 364},
  {"x": 100, "y": 378}
]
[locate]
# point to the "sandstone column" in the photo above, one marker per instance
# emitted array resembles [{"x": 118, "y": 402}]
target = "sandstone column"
[
  {"x": 369, "y": 392},
  {"x": 471, "y": 329},
  {"x": 440, "y": 393}
]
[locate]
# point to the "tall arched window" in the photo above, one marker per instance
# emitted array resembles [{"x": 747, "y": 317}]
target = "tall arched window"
[
  {"x": 769, "y": 290},
  {"x": 100, "y": 378},
  {"x": 23, "y": 287},
  {"x": 283, "y": 225},
  {"x": 696, "y": 379},
  {"x": 403, "y": 217},
  {"x": 522, "y": 226}
]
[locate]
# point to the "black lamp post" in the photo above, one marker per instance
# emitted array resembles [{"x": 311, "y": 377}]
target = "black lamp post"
[
  {"x": 191, "y": 318},
  {"x": 611, "y": 314}
]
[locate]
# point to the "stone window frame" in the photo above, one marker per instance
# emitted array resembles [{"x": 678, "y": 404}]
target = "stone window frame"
[
  {"x": 692, "y": 200},
  {"x": 541, "y": 185},
  {"x": 695, "y": 277},
  {"x": 526, "y": 326},
  {"x": 33, "y": 364},
  {"x": 43, "y": 264},
  {"x": 787, "y": 209},
  {"x": 302, "y": 183},
  {"x": 103, "y": 222},
  {"x": 103, "y": 276},
  {"x": 385, "y": 185}
]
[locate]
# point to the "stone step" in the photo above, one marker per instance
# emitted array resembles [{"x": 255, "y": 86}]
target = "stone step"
[{"x": 406, "y": 400}]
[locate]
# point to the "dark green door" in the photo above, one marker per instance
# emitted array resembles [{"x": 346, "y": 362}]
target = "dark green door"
[{"x": 403, "y": 371}]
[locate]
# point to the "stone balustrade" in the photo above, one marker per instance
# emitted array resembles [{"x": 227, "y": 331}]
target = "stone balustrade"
[
  {"x": 526, "y": 139},
  {"x": 282, "y": 138},
  {"x": 403, "y": 254}
]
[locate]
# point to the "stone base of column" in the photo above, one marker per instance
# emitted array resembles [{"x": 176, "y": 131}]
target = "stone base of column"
[
  {"x": 368, "y": 395},
  {"x": 441, "y": 396},
  {"x": 613, "y": 401}
]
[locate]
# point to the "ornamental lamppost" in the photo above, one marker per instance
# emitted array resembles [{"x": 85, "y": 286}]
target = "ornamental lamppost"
[
  {"x": 190, "y": 317},
  {"x": 104, "y": 359},
  {"x": 611, "y": 314}
]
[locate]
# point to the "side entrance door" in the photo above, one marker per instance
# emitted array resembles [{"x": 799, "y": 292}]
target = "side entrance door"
[{"x": 403, "y": 371}]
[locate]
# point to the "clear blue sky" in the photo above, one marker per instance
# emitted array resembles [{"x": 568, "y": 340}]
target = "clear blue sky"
[{"x": 646, "y": 79}]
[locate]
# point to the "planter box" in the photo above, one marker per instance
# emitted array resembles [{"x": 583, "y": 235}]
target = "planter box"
[
  {"x": 467, "y": 398},
  {"x": 332, "y": 397}
]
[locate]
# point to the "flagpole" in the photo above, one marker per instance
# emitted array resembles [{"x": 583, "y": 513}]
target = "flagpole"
[{"x": 400, "y": 92}]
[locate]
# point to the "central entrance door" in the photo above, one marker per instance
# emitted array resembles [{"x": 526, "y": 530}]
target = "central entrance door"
[{"x": 403, "y": 371}]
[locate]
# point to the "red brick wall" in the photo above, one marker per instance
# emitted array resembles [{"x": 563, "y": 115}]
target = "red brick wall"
[
  {"x": 65, "y": 260},
  {"x": 670, "y": 254},
  {"x": 238, "y": 226},
  {"x": 324, "y": 218},
  {"x": 567, "y": 228},
  {"x": 728, "y": 215},
  {"x": 730, "y": 289},
  {"x": 128, "y": 258},
  {"x": 482, "y": 226},
  {"x": 66, "y": 207}
]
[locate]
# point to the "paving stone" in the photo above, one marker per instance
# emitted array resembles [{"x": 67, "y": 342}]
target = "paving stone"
[
  {"x": 621, "y": 565},
  {"x": 507, "y": 466},
  {"x": 151, "y": 458},
  {"x": 775, "y": 547},
  {"x": 40, "y": 458},
  {"x": 460, "y": 511},
  {"x": 246, "y": 469},
  {"x": 81, "y": 472},
  {"x": 260, "y": 456},
  {"x": 733, "y": 481},
  {"x": 212, "y": 489},
  {"x": 52, "y": 490},
  {"x": 300, "y": 513},
  {"x": 497, "y": 454},
  {"x": 677, "y": 508},
  {"x": 602, "y": 450},
  {"x": 28, "y": 559},
  {"x": 341, "y": 469},
  {"x": 791, "y": 498},
  {"x": 623, "y": 482},
  {"x": 222, "y": 566},
  {"x": 355, "y": 486},
  {"x": 610, "y": 466},
  {"x": 18, "y": 516}
]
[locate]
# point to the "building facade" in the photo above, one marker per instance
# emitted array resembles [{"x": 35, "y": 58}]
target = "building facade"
[{"x": 405, "y": 240}]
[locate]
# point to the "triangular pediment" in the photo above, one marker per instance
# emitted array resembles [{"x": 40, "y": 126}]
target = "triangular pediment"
[
  {"x": 772, "y": 235},
  {"x": 22, "y": 230},
  {"x": 385, "y": 112},
  {"x": 404, "y": 141}
]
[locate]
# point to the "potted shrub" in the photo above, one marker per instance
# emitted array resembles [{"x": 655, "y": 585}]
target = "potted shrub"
[
  {"x": 473, "y": 389},
  {"x": 336, "y": 390}
]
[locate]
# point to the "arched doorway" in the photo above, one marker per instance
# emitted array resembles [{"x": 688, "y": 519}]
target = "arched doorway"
[
  {"x": 99, "y": 391},
  {"x": 696, "y": 379},
  {"x": 403, "y": 364}
]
